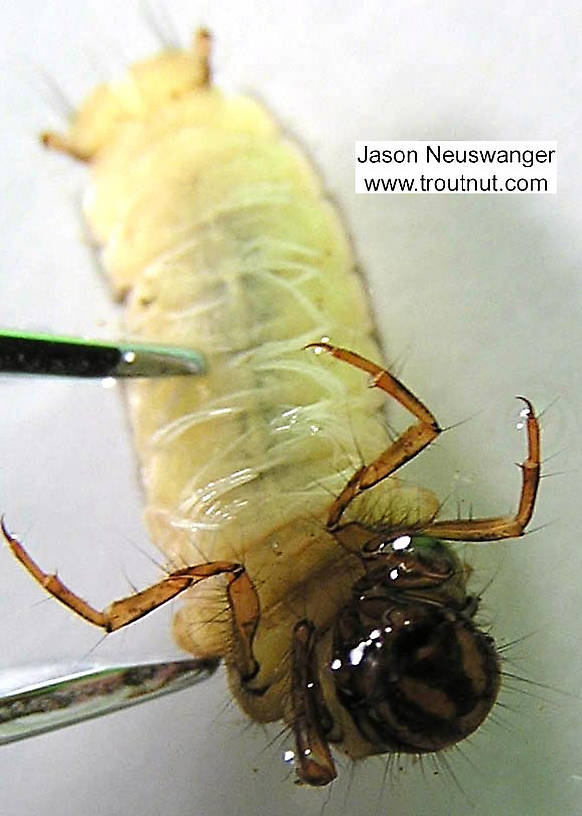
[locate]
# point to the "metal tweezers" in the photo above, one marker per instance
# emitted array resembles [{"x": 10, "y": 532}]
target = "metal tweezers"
[{"x": 65, "y": 694}]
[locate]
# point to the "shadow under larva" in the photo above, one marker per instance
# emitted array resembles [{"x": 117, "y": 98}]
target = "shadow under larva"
[{"x": 217, "y": 235}]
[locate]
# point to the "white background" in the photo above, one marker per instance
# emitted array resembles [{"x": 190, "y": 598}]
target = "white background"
[{"x": 477, "y": 299}]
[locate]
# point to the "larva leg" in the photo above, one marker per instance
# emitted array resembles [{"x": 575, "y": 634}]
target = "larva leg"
[
  {"x": 314, "y": 763},
  {"x": 406, "y": 447},
  {"x": 492, "y": 529},
  {"x": 242, "y": 598}
]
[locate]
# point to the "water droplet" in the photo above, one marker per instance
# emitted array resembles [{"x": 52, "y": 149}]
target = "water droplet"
[
  {"x": 401, "y": 543},
  {"x": 356, "y": 655}
]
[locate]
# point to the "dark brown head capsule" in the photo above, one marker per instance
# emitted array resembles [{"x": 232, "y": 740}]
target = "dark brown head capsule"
[{"x": 409, "y": 664}]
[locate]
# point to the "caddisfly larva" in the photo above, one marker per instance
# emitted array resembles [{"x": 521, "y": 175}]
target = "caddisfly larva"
[{"x": 350, "y": 622}]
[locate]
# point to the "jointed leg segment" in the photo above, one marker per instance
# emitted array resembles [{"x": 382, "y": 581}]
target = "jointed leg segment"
[
  {"x": 314, "y": 762},
  {"x": 493, "y": 529},
  {"x": 242, "y": 597},
  {"x": 402, "y": 450},
  {"x": 416, "y": 438}
]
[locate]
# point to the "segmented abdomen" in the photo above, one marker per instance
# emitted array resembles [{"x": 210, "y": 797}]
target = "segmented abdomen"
[{"x": 218, "y": 230}]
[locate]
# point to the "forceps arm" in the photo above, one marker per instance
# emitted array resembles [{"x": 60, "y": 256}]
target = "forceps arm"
[
  {"x": 46, "y": 354},
  {"x": 72, "y": 695}
]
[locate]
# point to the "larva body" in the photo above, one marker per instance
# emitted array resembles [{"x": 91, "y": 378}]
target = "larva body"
[
  {"x": 217, "y": 231},
  {"x": 349, "y": 620},
  {"x": 477, "y": 295}
]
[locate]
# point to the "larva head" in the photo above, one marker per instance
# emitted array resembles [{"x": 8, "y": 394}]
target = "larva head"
[{"x": 415, "y": 674}]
